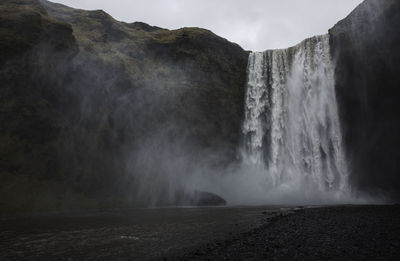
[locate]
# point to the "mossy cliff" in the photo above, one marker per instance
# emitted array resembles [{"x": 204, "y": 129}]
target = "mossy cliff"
[
  {"x": 365, "y": 46},
  {"x": 82, "y": 93}
]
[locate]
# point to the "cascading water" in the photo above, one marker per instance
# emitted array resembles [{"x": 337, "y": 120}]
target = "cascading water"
[{"x": 291, "y": 129}]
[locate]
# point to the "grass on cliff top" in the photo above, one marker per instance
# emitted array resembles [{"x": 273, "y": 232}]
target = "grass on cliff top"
[{"x": 23, "y": 24}]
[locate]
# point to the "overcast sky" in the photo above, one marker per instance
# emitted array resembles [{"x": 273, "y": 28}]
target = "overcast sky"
[{"x": 256, "y": 25}]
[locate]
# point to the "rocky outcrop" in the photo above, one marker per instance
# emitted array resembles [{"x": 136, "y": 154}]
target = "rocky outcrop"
[{"x": 365, "y": 46}]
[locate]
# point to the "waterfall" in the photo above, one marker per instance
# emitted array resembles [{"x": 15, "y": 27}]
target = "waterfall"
[{"x": 291, "y": 128}]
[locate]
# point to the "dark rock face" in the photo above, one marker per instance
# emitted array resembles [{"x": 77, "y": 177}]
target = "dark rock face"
[
  {"x": 82, "y": 95},
  {"x": 33, "y": 48},
  {"x": 365, "y": 46}
]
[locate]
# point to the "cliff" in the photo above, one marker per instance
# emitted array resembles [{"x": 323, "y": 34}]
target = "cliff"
[
  {"x": 365, "y": 47},
  {"x": 83, "y": 95}
]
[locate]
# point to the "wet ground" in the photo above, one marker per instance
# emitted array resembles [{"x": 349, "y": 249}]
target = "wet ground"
[{"x": 123, "y": 235}]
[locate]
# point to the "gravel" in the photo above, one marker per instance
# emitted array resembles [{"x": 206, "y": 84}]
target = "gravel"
[{"x": 325, "y": 233}]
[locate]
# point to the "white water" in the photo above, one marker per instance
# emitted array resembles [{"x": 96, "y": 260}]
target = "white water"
[{"x": 291, "y": 129}]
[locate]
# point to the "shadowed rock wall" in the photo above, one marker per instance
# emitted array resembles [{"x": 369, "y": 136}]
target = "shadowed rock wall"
[{"x": 366, "y": 48}]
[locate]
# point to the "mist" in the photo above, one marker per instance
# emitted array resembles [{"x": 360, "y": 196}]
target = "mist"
[{"x": 310, "y": 165}]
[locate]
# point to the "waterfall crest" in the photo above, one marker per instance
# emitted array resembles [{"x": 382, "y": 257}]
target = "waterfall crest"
[{"x": 291, "y": 128}]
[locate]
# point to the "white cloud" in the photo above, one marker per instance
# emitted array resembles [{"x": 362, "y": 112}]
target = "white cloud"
[{"x": 255, "y": 25}]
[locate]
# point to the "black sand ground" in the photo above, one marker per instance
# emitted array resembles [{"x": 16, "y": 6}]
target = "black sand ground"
[
  {"x": 325, "y": 233},
  {"x": 330, "y": 233}
]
